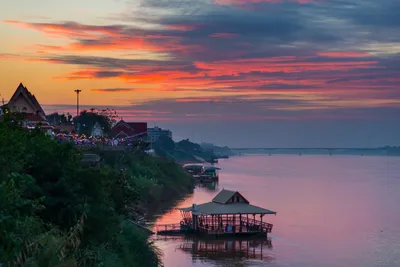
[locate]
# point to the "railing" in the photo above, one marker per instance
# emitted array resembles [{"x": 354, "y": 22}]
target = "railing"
[
  {"x": 237, "y": 226},
  {"x": 243, "y": 225},
  {"x": 167, "y": 227},
  {"x": 264, "y": 226}
]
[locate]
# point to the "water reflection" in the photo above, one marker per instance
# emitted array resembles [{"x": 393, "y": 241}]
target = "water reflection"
[
  {"x": 209, "y": 186},
  {"x": 332, "y": 212},
  {"x": 223, "y": 252}
]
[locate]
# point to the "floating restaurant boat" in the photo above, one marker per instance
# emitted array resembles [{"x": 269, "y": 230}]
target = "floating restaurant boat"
[{"x": 228, "y": 214}]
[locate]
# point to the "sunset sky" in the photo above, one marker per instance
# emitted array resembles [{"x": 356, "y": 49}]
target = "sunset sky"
[{"x": 243, "y": 73}]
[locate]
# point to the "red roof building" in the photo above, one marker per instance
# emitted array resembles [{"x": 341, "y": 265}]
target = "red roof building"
[{"x": 129, "y": 129}]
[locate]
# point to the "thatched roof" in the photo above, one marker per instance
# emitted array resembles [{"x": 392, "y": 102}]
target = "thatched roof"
[{"x": 227, "y": 202}]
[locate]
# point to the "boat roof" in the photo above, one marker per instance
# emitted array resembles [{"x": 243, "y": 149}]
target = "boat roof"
[
  {"x": 193, "y": 165},
  {"x": 224, "y": 203},
  {"x": 210, "y": 168},
  {"x": 200, "y": 165}
]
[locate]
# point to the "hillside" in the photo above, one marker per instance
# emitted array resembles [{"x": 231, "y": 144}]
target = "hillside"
[
  {"x": 183, "y": 151},
  {"x": 57, "y": 211}
]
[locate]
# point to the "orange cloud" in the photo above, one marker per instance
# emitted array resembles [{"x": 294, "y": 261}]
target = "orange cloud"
[
  {"x": 320, "y": 74},
  {"x": 115, "y": 37},
  {"x": 112, "y": 90}
]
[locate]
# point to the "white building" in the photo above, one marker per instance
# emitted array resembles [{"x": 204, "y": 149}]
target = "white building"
[
  {"x": 155, "y": 133},
  {"x": 97, "y": 130}
]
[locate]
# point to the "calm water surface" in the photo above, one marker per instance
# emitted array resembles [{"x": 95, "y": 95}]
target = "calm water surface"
[{"x": 339, "y": 211}]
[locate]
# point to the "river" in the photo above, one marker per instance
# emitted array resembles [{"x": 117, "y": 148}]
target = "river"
[{"x": 332, "y": 211}]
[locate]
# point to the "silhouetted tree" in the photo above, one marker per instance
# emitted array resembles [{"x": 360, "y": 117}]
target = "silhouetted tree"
[{"x": 85, "y": 122}]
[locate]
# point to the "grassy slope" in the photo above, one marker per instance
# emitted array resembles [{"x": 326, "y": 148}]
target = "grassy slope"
[{"x": 56, "y": 212}]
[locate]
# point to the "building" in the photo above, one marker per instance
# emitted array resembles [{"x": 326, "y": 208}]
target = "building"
[
  {"x": 155, "y": 133},
  {"x": 97, "y": 130},
  {"x": 65, "y": 128},
  {"x": 129, "y": 129},
  {"x": 229, "y": 214},
  {"x": 26, "y": 104}
]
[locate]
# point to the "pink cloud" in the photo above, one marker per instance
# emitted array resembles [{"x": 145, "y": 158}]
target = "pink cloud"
[{"x": 343, "y": 54}]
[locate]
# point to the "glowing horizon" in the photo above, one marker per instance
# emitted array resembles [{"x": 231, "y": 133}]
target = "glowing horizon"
[{"x": 228, "y": 60}]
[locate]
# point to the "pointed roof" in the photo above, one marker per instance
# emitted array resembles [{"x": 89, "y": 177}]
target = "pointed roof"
[
  {"x": 131, "y": 128},
  {"x": 225, "y": 195},
  {"x": 22, "y": 90},
  {"x": 223, "y": 204},
  {"x": 122, "y": 122}
]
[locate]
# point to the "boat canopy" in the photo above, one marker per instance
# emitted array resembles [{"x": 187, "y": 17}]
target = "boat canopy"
[
  {"x": 200, "y": 166},
  {"x": 210, "y": 168}
]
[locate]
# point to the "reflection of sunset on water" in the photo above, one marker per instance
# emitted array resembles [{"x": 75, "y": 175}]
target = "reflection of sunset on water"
[
  {"x": 331, "y": 211},
  {"x": 173, "y": 216}
]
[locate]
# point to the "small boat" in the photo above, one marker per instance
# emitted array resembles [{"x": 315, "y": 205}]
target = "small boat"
[{"x": 202, "y": 172}]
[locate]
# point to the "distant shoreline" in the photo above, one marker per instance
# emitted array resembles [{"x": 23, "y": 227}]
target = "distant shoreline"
[{"x": 385, "y": 151}]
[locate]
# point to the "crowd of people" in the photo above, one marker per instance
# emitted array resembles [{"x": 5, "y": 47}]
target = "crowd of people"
[{"x": 92, "y": 141}]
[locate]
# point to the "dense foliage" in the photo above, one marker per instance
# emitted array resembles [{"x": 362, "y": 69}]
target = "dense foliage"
[
  {"x": 156, "y": 179},
  {"x": 86, "y": 120},
  {"x": 59, "y": 119},
  {"x": 54, "y": 211},
  {"x": 183, "y": 151}
]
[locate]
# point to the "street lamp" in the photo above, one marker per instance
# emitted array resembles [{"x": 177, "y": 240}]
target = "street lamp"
[{"x": 77, "y": 91}]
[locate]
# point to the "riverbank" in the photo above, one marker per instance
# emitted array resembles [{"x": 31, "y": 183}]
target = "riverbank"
[
  {"x": 55, "y": 211},
  {"x": 159, "y": 181}
]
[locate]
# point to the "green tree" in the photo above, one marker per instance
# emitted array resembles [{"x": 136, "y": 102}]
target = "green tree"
[
  {"x": 188, "y": 146},
  {"x": 164, "y": 145},
  {"x": 55, "y": 211},
  {"x": 85, "y": 122}
]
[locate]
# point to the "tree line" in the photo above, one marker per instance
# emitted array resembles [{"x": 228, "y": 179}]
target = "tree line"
[{"x": 55, "y": 211}]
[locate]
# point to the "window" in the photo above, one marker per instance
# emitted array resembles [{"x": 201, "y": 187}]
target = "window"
[{"x": 237, "y": 199}]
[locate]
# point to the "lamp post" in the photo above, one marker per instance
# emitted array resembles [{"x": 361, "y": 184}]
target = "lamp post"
[{"x": 77, "y": 91}]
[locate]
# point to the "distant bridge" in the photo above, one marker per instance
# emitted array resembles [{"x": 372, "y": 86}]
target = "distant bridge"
[
  {"x": 309, "y": 150},
  {"x": 306, "y": 148}
]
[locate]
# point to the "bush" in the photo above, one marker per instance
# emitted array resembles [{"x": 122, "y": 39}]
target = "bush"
[{"x": 56, "y": 212}]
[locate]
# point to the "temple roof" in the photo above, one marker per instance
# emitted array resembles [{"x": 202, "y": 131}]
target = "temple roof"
[{"x": 22, "y": 90}]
